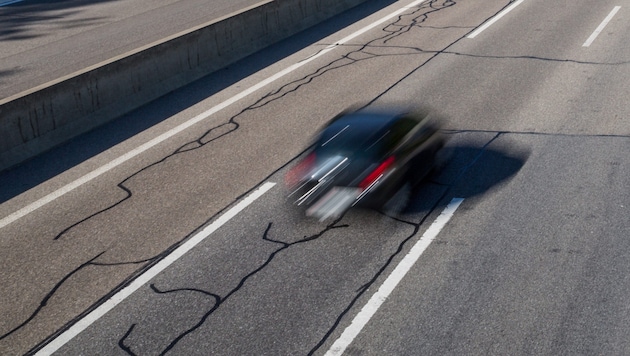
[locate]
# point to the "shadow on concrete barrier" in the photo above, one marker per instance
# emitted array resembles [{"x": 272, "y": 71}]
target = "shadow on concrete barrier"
[{"x": 36, "y": 120}]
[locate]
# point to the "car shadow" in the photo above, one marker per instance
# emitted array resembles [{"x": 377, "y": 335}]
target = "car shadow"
[{"x": 470, "y": 170}]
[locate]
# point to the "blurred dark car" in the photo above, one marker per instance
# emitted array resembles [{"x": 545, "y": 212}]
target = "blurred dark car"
[{"x": 365, "y": 158}]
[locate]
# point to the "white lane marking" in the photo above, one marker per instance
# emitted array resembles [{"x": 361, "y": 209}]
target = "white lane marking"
[
  {"x": 494, "y": 19},
  {"x": 392, "y": 281},
  {"x": 131, "y": 154},
  {"x": 117, "y": 298},
  {"x": 601, "y": 26}
]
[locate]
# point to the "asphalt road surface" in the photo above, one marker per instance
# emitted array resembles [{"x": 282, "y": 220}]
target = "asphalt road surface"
[
  {"x": 143, "y": 237},
  {"x": 42, "y": 40}
]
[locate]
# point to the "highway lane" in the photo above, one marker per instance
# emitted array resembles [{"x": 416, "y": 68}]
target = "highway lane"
[
  {"x": 539, "y": 265},
  {"x": 41, "y": 41},
  {"x": 522, "y": 151}
]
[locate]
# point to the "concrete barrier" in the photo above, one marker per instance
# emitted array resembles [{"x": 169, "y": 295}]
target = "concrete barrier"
[{"x": 43, "y": 117}]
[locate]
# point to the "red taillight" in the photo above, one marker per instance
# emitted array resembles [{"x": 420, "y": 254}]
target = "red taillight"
[
  {"x": 296, "y": 173},
  {"x": 376, "y": 173}
]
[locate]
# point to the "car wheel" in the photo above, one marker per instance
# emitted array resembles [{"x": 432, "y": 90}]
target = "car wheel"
[{"x": 399, "y": 201}]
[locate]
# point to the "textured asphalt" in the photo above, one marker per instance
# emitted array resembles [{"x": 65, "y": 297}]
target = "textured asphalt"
[{"x": 534, "y": 261}]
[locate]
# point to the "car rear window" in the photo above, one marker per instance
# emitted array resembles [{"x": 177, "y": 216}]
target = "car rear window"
[{"x": 355, "y": 133}]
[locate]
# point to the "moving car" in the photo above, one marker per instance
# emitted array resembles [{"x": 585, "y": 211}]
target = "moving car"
[{"x": 365, "y": 158}]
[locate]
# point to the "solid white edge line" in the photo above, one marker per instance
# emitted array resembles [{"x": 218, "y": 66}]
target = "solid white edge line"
[
  {"x": 131, "y": 154},
  {"x": 601, "y": 27},
  {"x": 494, "y": 19},
  {"x": 361, "y": 319},
  {"x": 141, "y": 280}
]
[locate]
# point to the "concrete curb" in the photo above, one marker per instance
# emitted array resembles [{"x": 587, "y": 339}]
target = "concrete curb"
[{"x": 39, "y": 119}]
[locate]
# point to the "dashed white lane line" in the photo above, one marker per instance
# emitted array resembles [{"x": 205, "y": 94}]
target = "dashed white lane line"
[
  {"x": 174, "y": 131},
  {"x": 494, "y": 19},
  {"x": 392, "y": 281},
  {"x": 601, "y": 27},
  {"x": 117, "y": 298}
]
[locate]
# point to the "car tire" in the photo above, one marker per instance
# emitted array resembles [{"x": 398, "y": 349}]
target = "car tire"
[{"x": 399, "y": 201}]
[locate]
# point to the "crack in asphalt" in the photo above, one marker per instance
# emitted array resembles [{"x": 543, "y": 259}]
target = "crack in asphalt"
[
  {"x": 209, "y": 136},
  {"x": 121, "y": 342},
  {"x": 50, "y": 294},
  {"x": 417, "y": 50},
  {"x": 545, "y": 59},
  {"x": 217, "y": 301},
  {"x": 364, "y": 288},
  {"x": 348, "y": 60},
  {"x": 220, "y": 300},
  {"x": 91, "y": 262},
  {"x": 536, "y": 133}
]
